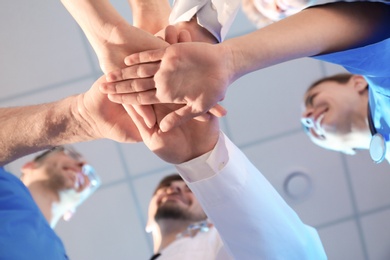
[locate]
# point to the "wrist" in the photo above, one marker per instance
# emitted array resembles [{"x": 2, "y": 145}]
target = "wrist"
[
  {"x": 230, "y": 61},
  {"x": 204, "y": 145},
  {"x": 206, "y": 165},
  {"x": 80, "y": 119},
  {"x": 198, "y": 33}
]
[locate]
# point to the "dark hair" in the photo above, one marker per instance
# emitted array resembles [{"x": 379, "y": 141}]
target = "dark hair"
[
  {"x": 341, "y": 78},
  {"x": 166, "y": 181},
  {"x": 68, "y": 149},
  {"x": 41, "y": 156}
]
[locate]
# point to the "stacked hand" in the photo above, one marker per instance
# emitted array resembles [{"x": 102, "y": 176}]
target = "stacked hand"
[
  {"x": 104, "y": 118},
  {"x": 113, "y": 39},
  {"x": 184, "y": 142},
  {"x": 173, "y": 75}
]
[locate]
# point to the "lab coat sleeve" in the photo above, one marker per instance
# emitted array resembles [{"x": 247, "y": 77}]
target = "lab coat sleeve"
[
  {"x": 215, "y": 15},
  {"x": 252, "y": 219}
]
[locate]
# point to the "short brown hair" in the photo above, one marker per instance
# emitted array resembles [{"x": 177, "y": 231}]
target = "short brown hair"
[
  {"x": 166, "y": 181},
  {"x": 341, "y": 78},
  {"x": 68, "y": 149}
]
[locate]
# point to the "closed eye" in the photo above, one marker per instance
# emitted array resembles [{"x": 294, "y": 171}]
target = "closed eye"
[{"x": 310, "y": 99}]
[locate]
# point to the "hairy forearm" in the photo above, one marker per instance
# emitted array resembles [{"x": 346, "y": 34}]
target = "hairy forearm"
[
  {"x": 33, "y": 128},
  {"x": 317, "y": 30}
]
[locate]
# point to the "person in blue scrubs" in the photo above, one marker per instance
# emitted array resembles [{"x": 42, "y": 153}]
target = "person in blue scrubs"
[
  {"x": 352, "y": 111},
  {"x": 51, "y": 187}
]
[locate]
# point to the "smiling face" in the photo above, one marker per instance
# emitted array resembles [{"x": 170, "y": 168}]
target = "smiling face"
[
  {"x": 334, "y": 111},
  {"x": 60, "y": 178},
  {"x": 63, "y": 170},
  {"x": 174, "y": 200}
]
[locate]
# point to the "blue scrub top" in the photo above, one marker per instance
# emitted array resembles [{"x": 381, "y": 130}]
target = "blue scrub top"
[
  {"x": 372, "y": 62},
  {"x": 24, "y": 232}
]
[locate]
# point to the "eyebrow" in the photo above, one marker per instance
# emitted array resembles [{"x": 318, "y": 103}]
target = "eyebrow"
[
  {"x": 44, "y": 154},
  {"x": 309, "y": 99},
  {"x": 167, "y": 184}
]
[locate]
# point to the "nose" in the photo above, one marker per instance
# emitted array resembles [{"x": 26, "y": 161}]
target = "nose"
[
  {"x": 307, "y": 119},
  {"x": 77, "y": 163},
  {"x": 82, "y": 178},
  {"x": 174, "y": 188}
]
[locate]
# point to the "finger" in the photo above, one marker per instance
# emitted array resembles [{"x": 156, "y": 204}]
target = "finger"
[
  {"x": 185, "y": 36},
  {"x": 127, "y": 86},
  {"x": 147, "y": 113},
  {"x": 137, "y": 119},
  {"x": 203, "y": 118},
  {"x": 176, "y": 118},
  {"x": 218, "y": 111},
  {"x": 142, "y": 98},
  {"x": 144, "y": 57},
  {"x": 185, "y": 113},
  {"x": 171, "y": 35},
  {"x": 146, "y": 70}
]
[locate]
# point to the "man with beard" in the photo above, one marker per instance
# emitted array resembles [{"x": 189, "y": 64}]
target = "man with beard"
[
  {"x": 181, "y": 229},
  {"x": 51, "y": 187},
  {"x": 175, "y": 213},
  {"x": 217, "y": 182}
]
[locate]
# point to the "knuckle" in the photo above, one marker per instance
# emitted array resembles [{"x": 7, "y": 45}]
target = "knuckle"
[
  {"x": 139, "y": 98},
  {"x": 140, "y": 71}
]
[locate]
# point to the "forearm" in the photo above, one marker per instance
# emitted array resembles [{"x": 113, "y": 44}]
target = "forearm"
[
  {"x": 98, "y": 19},
  {"x": 228, "y": 184},
  {"x": 321, "y": 29},
  {"x": 214, "y": 15},
  {"x": 197, "y": 32},
  {"x": 33, "y": 128},
  {"x": 150, "y": 15},
  {"x": 108, "y": 32}
]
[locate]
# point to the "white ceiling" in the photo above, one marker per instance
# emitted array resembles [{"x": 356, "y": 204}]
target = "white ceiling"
[{"x": 44, "y": 57}]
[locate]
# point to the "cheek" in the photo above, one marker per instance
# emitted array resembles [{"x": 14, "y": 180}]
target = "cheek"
[
  {"x": 152, "y": 206},
  {"x": 197, "y": 209},
  {"x": 329, "y": 126},
  {"x": 336, "y": 120}
]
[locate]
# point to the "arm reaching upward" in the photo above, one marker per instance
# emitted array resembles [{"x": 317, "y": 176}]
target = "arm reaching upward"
[
  {"x": 84, "y": 117},
  {"x": 150, "y": 15},
  {"x": 110, "y": 35},
  {"x": 198, "y": 74},
  {"x": 112, "y": 38}
]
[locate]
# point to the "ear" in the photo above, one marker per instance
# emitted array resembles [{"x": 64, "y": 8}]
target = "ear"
[
  {"x": 29, "y": 166},
  {"x": 151, "y": 224},
  {"x": 359, "y": 83}
]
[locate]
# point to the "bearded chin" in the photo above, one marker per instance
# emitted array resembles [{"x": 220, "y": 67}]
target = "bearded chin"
[{"x": 170, "y": 212}]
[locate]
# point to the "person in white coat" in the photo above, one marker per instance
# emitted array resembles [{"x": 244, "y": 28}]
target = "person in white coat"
[{"x": 226, "y": 209}]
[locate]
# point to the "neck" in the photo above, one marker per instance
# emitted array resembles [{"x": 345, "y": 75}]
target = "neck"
[
  {"x": 45, "y": 199},
  {"x": 359, "y": 139},
  {"x": 166, "y": 232},
  {"x": 360, "y": 136}
]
